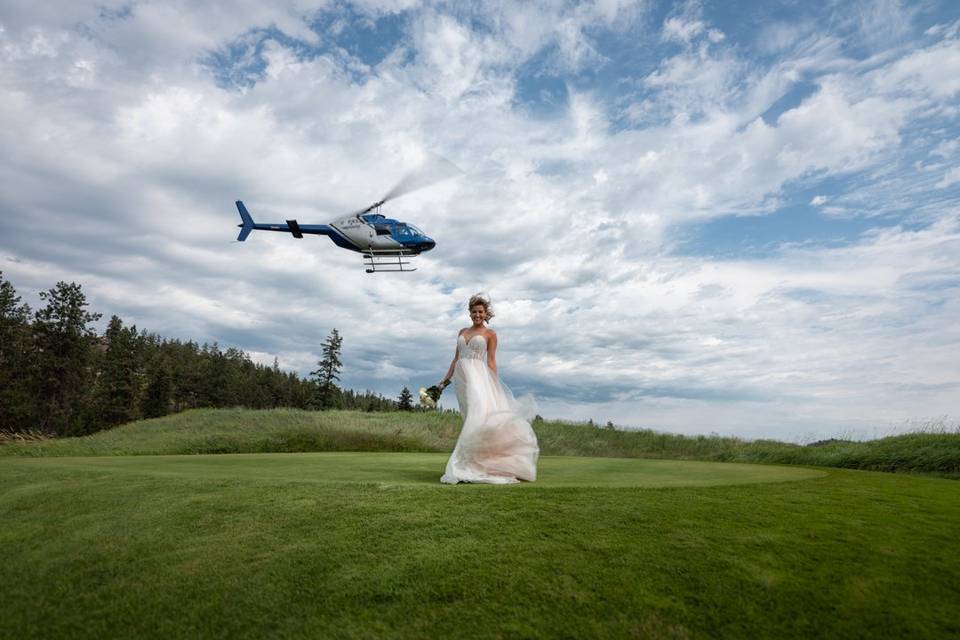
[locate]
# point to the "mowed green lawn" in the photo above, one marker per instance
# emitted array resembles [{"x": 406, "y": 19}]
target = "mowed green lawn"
[
  {"x": 425, "y": 469},
  {"x": 351, "y": 545}
]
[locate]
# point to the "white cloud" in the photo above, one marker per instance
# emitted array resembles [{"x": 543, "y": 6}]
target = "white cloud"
[
  {"x": 682, "y": 30},
  {"x": 947, "y": 148},
  {"x": 884, "y": 23},
  {"x": 934, "y": 71},
  {"x": 777, "y": 37},
  {"x": 127, "y": 159},
  {"x": 529, "y": 27},
  {"x": 949, "y": 179}
]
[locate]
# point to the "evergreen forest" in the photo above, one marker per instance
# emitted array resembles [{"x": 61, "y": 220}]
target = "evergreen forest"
[{"x": 60, "y": 377}]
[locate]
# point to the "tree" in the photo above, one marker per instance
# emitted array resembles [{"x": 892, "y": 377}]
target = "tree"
[
  {"x": 117, "y": 388},
  {"x": 18, "y": 404},
  {"x": 64, "y": 352},
  {"x": 213, "y": 383},
  {"x": 156, "y": 398},
  {"x": 404, "y": 402},
  {"x": 328, "y": 370}
]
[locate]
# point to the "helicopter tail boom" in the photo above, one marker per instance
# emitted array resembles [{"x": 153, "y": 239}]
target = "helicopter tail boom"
[{"x": 292, "y": 227}]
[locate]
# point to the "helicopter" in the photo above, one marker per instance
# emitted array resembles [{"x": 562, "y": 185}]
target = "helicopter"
[{"x": 386, "y": 244}]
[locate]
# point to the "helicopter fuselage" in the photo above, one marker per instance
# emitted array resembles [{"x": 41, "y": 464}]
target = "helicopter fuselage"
[{"x": 379, "y": 233}]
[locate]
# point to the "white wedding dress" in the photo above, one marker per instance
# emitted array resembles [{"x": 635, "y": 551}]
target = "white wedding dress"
[{"x": 497, "y": 445}]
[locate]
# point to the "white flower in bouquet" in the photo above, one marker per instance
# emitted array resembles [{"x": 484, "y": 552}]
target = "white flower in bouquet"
[{"x": 426, "y": 400}]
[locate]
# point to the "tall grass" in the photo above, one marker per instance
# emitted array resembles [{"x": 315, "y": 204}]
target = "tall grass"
[{"x": 285, "y": 430}]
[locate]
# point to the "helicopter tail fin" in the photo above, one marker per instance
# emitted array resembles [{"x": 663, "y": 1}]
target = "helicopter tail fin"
[{"x": 247, "y": 225}]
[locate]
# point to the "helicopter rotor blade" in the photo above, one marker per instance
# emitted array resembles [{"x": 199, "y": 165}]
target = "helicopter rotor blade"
[{"x": 437, "y": 169}]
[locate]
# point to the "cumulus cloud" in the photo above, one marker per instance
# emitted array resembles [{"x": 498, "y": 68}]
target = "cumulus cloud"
[{"x": 131, "y": 130}]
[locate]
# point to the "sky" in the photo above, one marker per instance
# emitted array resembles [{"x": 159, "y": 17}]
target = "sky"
[{"x": 738, "y": 218}]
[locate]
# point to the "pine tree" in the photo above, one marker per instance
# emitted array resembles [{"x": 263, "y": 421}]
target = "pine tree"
[
  {"x": 18, "y": 403},
  {"x": 404, "y": 402},
  {"x": 118, "y": 385},
  {"x": 64, "y": 353},
  {"x": 279, "y": 394},
  {"x": 328, "y": 370},
  {"x": 156, "y": 398}
]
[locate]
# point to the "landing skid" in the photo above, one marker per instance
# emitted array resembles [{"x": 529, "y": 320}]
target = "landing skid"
[{"x": 385, "y": 261}]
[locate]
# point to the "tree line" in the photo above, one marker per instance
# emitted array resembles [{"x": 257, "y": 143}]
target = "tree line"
[{"x": 60, "y": 377}]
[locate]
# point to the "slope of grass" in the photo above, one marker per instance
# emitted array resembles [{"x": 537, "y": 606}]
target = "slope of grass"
[
  {"x": 249, "y": 431},
  {"x": 246, "y": 431},
  {"x": 218, "y": 547}
]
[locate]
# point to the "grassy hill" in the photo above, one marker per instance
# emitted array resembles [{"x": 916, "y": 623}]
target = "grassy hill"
[{"x": 246, "y": 431}]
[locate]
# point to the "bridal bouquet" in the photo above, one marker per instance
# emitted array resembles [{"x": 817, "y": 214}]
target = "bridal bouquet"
[{"x": 430, "y": 395}]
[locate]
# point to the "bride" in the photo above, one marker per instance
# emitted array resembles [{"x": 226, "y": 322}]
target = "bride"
[{"x": 497, "y": 444}]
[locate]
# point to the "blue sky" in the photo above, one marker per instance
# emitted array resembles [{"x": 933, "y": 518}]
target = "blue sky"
[{"x": 696, "y": 217}]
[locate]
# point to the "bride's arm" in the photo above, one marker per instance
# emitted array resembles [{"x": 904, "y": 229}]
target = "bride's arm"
[
  {"x": 492, "y": 351},
  {"x": 453, "y": 363},
  {"x": 449, "y": 374}
]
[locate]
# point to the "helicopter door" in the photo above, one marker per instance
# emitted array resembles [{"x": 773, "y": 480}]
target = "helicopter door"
[{"x": 382, "y": 229}]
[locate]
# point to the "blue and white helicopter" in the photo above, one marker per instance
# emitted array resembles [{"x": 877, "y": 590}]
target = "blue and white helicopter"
[{"x": 386, "y": 244}]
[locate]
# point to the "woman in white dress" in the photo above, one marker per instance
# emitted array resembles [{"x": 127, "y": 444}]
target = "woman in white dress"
[{"x": 497, "y": 444}]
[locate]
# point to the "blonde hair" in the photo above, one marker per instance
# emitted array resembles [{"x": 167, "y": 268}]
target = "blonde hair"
[{"x": 484, "y": 302}]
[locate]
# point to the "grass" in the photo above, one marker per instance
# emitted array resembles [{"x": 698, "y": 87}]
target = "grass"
[
  {"x": 364, "y": 545},
  {"x": 392, "y": 469},
  {"x": 245, "y": 431}
]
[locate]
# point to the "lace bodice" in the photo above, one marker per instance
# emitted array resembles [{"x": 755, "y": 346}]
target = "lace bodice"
[{"x": 473, "y": 349}]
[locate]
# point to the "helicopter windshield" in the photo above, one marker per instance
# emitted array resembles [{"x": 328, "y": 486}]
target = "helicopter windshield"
[{"x": 405, "y": 231}]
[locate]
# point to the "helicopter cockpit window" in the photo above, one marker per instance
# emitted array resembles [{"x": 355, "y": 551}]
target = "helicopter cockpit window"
[
  {"x": 404, "y": 231},
  {"x": 382, "y": 229},
  {"x": 415, "y": 231}
]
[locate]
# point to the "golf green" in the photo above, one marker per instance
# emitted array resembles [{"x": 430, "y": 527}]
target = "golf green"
[
  {"x": 425, "y": 469},
  {"x": 363, "y": 545}
]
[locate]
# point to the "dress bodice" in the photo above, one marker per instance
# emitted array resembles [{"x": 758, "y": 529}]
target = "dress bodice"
[{"x": 473, "y": 349}]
